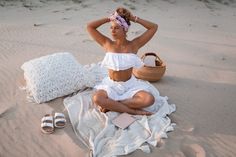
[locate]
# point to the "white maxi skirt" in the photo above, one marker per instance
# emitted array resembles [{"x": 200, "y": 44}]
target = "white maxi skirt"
[{"x": 122, "y": 90}]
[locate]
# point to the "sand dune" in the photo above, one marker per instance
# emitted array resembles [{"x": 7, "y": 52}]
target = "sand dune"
[{"x": 196, "y": 39}]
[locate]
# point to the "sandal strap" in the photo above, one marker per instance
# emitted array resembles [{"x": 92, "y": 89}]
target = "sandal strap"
[
  {"x": 59, "y": 115},
  {"x": 47, "y": 124},
  {"x": 59, "y": 120},
  {"x": 47, "y": 118}
]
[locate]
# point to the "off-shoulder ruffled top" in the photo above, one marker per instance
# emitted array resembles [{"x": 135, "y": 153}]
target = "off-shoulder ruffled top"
[{"x": 121, "y": 61}]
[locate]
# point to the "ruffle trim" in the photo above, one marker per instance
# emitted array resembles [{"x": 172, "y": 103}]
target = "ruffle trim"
[{"x": 121, "y": 61}]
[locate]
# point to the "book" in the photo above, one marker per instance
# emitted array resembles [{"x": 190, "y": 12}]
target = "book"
[{"x": 123, "y": 120}]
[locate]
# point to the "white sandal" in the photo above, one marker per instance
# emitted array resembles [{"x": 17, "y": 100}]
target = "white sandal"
[
  {"x": 47, "y": 126},
  {"x": 59, "y": 120}
]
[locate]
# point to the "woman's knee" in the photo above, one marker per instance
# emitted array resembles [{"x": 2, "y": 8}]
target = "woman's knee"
[
  {"x": 99, "y": 97},
  {"x": 95, "y": 98},
  {"x": 148, "y": 99},
  {"x": 145, "y": 99}
]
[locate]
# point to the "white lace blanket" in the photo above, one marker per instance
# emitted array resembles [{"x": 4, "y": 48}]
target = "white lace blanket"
[{"x": 104, "y": 139}]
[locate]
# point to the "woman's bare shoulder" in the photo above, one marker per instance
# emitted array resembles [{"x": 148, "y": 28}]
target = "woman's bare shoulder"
[
  {"x": 133, "y": 47},
  {"x": 108, "y": 45}
]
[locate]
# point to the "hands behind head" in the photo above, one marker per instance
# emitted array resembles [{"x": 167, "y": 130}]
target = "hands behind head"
[{"x": 125, "y": 13}]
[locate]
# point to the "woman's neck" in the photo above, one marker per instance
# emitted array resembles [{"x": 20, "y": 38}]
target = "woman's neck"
[{"x": 121, "y": 42}]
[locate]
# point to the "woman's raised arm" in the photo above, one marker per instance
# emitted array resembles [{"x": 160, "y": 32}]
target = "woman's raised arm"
[
  {"x": 147, "y": 35},
  {"x": 96, "y": 35}
]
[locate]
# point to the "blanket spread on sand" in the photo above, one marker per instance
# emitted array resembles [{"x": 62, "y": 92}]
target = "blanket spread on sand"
[{"x": 96, "y": 130}]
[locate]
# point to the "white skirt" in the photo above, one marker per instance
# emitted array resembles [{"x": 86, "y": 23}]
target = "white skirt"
[{"x": 122, "y": 90}]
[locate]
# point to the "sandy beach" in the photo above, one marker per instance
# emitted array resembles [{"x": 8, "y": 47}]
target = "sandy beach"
[{"x": 196, "y": 39}]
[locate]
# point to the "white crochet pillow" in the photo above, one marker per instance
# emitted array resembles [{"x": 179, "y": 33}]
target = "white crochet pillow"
[{"x": 55, "y": 75}]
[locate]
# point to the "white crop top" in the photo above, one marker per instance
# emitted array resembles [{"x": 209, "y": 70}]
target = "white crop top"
[{"x": 121, "y": 61}]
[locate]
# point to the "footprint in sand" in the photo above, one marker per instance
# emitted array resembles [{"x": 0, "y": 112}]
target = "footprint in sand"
[
  {"x": 68, "y": 9},
  {"x": 188, "y": 129},
  {"x": 214, "y": 26},
  {"x": 65, "y": 18},
  {"x": 56, "y": 11},
  {"x": 21, "y": 82},
  {"x": 184, "y": 126},
  {"x": 69, "y": 33},
  {"x": 160, "y": 143},
  {"x": 132, "y": 7},
  {"x": 193, "y": 150},
  {"x": 8, "y": 113},
  {"x": 39, "y": 24},
  {"x": 171, "y": 1},
  {"x": 87, "y": 40}
]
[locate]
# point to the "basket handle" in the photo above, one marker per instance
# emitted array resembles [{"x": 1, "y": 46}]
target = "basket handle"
[{"x": 158, "y": 59}]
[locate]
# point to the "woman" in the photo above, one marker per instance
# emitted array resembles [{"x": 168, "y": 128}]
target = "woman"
[{"x": 121, "y": 91}]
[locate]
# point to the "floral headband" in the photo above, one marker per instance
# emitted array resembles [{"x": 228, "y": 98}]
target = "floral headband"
[{"x": 119, "y": 20}]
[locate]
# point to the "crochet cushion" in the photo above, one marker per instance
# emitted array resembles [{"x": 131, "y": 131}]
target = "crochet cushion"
[{"x": 55, "y": 75}]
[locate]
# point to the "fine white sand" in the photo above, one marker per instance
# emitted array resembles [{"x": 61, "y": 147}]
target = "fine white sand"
[{"x": 197, "y": 41}]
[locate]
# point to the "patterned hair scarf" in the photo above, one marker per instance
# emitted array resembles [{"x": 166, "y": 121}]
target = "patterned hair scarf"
[{"x": 119, "y": 20}]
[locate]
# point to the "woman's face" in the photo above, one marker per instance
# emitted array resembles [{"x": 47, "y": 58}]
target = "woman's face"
[{"x": 117, "y": 31}]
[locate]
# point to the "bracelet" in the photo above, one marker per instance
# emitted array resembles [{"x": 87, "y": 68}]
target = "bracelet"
[{"x": 135, "y": 18}]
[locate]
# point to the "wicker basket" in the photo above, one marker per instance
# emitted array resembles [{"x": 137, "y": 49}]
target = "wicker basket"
[{"x": 151, "y": 73}]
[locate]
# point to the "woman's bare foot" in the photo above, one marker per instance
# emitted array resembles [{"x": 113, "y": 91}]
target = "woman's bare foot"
[
  {"x": 142, "y": 112},
  {"x": 104, "y": 110}
]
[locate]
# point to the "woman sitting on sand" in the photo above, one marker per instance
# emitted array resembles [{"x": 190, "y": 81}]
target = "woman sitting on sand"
[{"x": 121, "y": 91}]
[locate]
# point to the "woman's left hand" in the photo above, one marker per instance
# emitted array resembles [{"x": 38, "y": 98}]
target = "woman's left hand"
[{"x": 132, "y": 18}]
